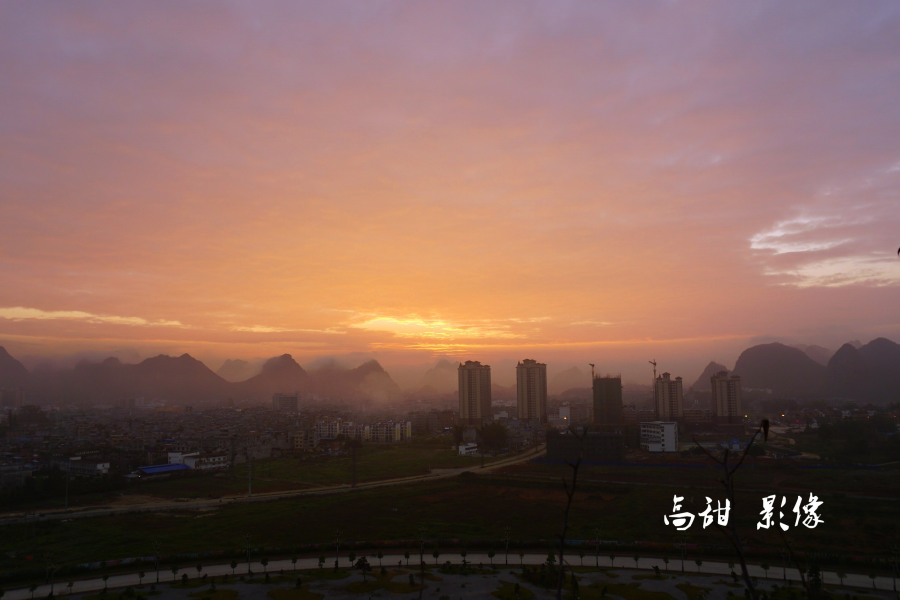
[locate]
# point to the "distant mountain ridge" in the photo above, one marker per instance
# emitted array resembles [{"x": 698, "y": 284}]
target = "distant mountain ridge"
[
  {"x": 785, "y": 370},
  {"x": 817, "y": 353},
  {"x": 871, "y": 372},
  {"x": 13, "y": 374},
  {"x": 704, "y": 383},
  {"x": 235, "y": 370},
  {"x": 568, "y": 379},
  {"x": 184, "y": 379}
]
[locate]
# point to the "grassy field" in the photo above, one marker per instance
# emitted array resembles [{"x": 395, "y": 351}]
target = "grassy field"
[
  {"x": 373, "y": 462},
  {"x": 466, "y": 508}
]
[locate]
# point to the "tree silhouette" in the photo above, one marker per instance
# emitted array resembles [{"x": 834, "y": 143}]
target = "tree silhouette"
[
  {"x": 730, "y": 530},
  {"x": 491, "y": 556},
  {"x": 380, "y": 556},
  {"x": 234, "y": 565},
  {"x": 140, "y": 578},
  {"x": 363, "y": 565},
  {"x": 321, "y": 561},
  {"x": 294, "y": 562},
  {"x": 199, "y": 568},
  {"x": 765, "y": 567},
  {"x": 666, "y": 561},
  {"x": 435, "y": 554},
  {"x": 265, "y": 563},
  {"x": 406, "y": 556},
  {"x": 174, "y": 571},
  {"x": 636, "y": 559},
  {"x": 612, "y": 560}
]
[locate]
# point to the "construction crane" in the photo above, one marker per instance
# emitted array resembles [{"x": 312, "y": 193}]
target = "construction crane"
[
  {"x": 592, "y": 373},
  {"x": 653, "y": 362}
]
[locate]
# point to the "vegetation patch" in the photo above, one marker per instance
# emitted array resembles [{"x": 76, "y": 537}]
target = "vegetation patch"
[
  {"x": 189, "y": 584},
  {"x": 628, "y": 591},
  {"x": 216, "y": 595},
  {"x": 649, "y": 576},
  {"x": 271, "y": 580},
  {"x": 450, "y": 569},
  {"x": 293, "y": 594},
  {"x": 327, "y": 574},
  {"x": 693, "y": 592},
  {"x": 385, "y": 582},
  {"x": 512, "y": 591},
  {"x": 728, "y": 583},
  {"x": 126, "y": 594}
]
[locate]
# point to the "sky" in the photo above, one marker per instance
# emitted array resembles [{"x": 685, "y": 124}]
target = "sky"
[{"x": 571, "y": 182}]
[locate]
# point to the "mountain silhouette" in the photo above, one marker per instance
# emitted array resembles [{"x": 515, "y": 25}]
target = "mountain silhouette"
[
  {"x": 443, "y": 378},
  {"x": 278, "y": 374},
  {"x": 817, "y": 353},
  {"x": 235, "y": 370},
  {"x": 13, "y": 374},
  {"x": 869, "y": 373},
  {"x": 568, "y": 379},
  {"x": 703, "y": 383},
  {"x": 787, "y": 371}
]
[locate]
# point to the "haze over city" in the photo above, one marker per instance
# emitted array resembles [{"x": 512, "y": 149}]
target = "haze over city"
[{"x": 567, "y": 182}]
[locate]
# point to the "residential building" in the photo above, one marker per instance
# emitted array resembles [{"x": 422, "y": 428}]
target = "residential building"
[
  {"x": 697, "y": 415},
  {"x": 631, "y": 415},
  {"x": 474, "y": 392},
  {"x": 286, "y": 402},
  {"x": 669, "y": 397},
  {"x": 531, "y": 390},
  {"x": 726, "y": 397},
  {"x": 659, "y": 436},
  {"x": 608, "y": 401},
  {"x": 207, "y": 462}
]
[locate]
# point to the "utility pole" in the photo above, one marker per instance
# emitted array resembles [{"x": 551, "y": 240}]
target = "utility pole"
[
  {"x": 507, "y": 545},
  {"x": 337, "y": 547},
  {"x": 156, "y": 561},
  {"x": 422, "y": 558},
  {"x": 353, "y": 450},
  {"x": 895, "y": 550},
  {"x": 247, "y": 543}
]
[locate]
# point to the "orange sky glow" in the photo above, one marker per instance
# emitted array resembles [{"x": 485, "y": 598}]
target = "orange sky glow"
[{"x": 571, "y": 182}]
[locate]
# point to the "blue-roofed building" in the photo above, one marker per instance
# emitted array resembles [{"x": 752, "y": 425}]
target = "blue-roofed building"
[{"x": 161, "y": 469}]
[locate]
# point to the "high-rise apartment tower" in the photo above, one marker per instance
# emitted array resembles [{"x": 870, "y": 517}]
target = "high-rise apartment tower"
[
  {"x": 726, "y": 397},
  {"x": 608, "y": 400},
  {"x": 531, "y": 390},
  {"x": 474, "y": 392},
  {"x": 669, "y": 397}
]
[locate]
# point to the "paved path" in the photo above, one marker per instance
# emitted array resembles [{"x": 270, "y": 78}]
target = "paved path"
[
  {"x": 217, "y": 570},
  {"x": 435, "y": 474}
]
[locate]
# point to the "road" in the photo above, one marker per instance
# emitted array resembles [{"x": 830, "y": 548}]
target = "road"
[
  {"x": 531, "y": 558},
  {"x": 434, "y": 475}
]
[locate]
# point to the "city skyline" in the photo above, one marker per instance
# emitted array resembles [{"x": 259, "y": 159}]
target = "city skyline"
[{"x": 607, "y": 184}]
